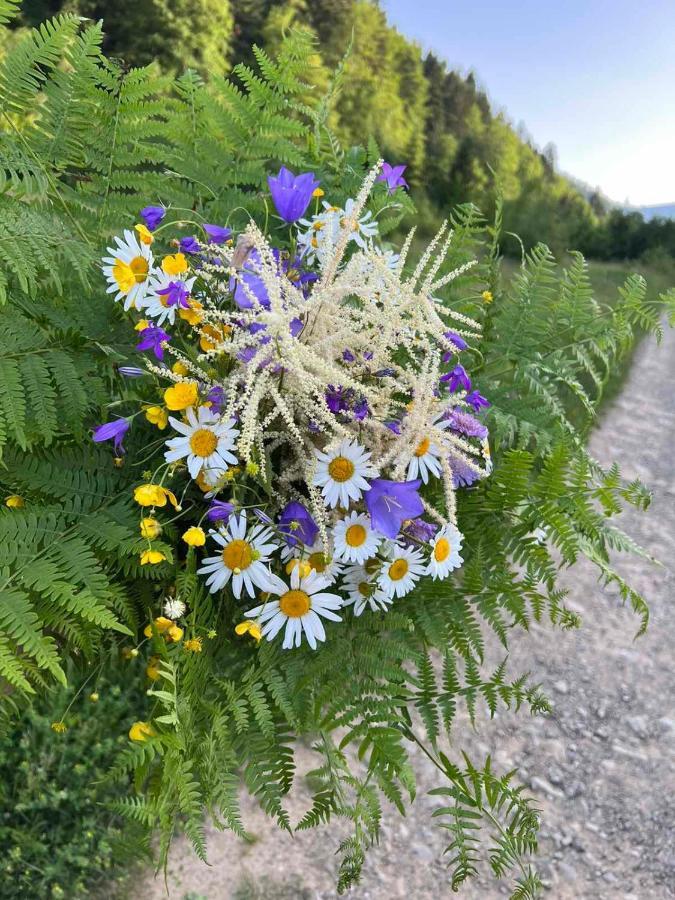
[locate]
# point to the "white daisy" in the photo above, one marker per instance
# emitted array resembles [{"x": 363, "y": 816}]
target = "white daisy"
[
  {"x": 401, "y": 571},
  {"x": 316, "y": 557},
  {"x": 243, "y": 558},
  {"x": 361, "y": 229},
  {"x": 427, "y": 454},
  {"x": 445, "y": 548},
  {"x": 363, "y": 591},
  {"x": 155, "y": 305},
  {"x": 128, "y": 269},
  {"x": 206, "y": 440},
  {"x": 320, "y": 234},
  {"x": 299, "y": 608},
  {"x": 341, "y": 473},
  {"x": 354, "y": 539}
]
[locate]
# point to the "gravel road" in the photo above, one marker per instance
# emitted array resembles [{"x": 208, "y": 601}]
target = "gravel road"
[{"x": 602, "y": 766}]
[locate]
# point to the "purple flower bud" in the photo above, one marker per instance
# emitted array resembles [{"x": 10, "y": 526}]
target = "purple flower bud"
[
  {"x": 216, "y": 397},
  {"x": 456, "y": 339},
  {"x": 348, "y": 356},
  {"x": 219, "y": 511},
  {"x": 291, "y": 193},
  {"x": 112, "y": 431},
  {"x": 131, "y": 371},
  {"x": 394, "y": 426},
  {"x": 361, "y": 409},
  {"x": 189, "y": 245},
  {"x": 152, "y": 216},
  {"x": 217, "y": 234},
  {"x": 420, "y": 530}
]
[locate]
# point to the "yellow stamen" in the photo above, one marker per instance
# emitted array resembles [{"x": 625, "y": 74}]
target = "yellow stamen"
[
  {"x": 203, "y": 442},
  {"x": 295, "y": 604},
  {"x": 341, "y": 469},
  {"x": 355, "y": 535},
  {"x": 238, "y": 555},
  {"x": 398, "y": 569},
  {"x": 422, "y": 447},
  {"x": 441, "y": 550}
]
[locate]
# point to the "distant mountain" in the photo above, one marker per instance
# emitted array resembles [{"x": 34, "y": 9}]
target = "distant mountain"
[{"x": 661, "y": 211}]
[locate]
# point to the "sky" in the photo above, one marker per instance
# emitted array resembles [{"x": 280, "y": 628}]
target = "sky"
[{"x": 594, "y": 77}]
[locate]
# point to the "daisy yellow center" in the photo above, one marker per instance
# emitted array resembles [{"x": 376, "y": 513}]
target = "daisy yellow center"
[
  {"x": 422, "y": 447},
  {"x": 355, "y": 535},
  {"x": 203, "y": 442},
  {"x": 317, "y": 561},
  {"x": 365, "y": 589},
  {"x": 398, "y": 569},
  {"x": 129, "y": 274},
  {"x": 295, "y": 604},
  {"x": 341, "y": 469},
  {"x": 238, "y": 555},
  {"x": 441, "y": 550}
]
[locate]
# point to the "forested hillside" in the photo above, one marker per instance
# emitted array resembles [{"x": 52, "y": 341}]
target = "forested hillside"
[{"x": 435, "y": 120}]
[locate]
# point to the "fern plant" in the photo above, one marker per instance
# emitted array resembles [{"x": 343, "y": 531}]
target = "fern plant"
[{"x": 85, "y": 144}]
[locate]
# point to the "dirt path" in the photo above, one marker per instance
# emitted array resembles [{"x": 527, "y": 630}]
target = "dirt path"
[{"x": 602, "y": 766}]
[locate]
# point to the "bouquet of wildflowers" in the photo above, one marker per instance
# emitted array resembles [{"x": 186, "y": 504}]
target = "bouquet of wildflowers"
[{"x": 318, "y": 420}]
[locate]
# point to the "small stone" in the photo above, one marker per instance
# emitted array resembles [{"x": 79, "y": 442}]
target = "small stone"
[
  {"x": 638, "y": 725},
  {"x": 560, "y": 687}
]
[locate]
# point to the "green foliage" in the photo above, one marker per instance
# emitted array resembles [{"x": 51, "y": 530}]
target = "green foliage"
[
  {"x": 58, "y": 839},
  {"x": 103, "y": 141}
]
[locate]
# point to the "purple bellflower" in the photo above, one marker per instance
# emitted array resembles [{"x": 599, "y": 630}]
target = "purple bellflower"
[
  {"x": 419, "y": 530},
  {"x": 457, "y": 378},
  {"x": 152, "y": 338},
  {"x": 176, "y": 294},
  {"x": 112, "y": 431},
  {"x": 152, "y": 216},
  {"x": 291, "y": 193},
  {"x": 478, "y": 401},
  {"x": 297, "y": 524},
  {"x": 393, "y": 175},
  {"x": 390, "y": 503}
]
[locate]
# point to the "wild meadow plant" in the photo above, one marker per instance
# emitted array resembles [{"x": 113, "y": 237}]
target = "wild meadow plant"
[{"x": 322, "y": 467}]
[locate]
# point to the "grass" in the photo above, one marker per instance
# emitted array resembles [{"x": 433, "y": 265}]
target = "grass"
[{"x": 607, "y": 278}]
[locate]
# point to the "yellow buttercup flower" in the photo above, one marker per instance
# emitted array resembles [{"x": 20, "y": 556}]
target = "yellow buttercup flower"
[
  {"x": 158, "y": 416},
  {"x": 142, "y": 325},
  {"x": 194, "y": 645},
  {"x": 317, "y": 192},
  {"x": 195, "y": 536},
  {"x": 144, "y": 233},
  {"x": 249, "y": 627},
  {"x": 150, "y": 528},
  {"x": 179, "y": 368},
  {"x": 180, "y": 396},
  {"x": 154, "y": 495},
  {"x": 300, "y": 564},
  {"x": 59, "y": 727},
  {"x": 141, "y": 731},
  {"x": 487, "y": 296},
  {"x": 166, "y": 628},
  {"x": 193, "y": 315},
  {"x": 175, "y": 265},
  {"x": 152, "y": 557},
  {"x": 211, "y": 336},
  {"x": 14, "y": 501}
]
